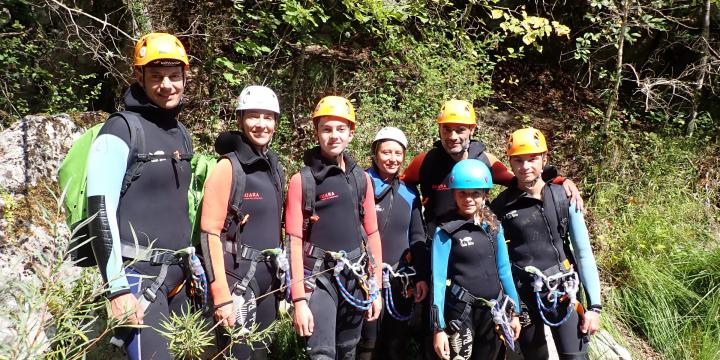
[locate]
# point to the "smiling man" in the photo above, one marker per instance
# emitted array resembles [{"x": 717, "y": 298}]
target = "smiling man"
[{"x": 137, "y": 184}]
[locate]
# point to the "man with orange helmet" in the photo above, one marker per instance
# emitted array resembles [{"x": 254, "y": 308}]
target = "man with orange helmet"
[
  {"x": 137, "y": 183},
  {"x": 431, "y": 169}
]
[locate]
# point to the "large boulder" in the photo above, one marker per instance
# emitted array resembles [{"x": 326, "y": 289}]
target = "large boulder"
[{"x": 33, "y": 149}]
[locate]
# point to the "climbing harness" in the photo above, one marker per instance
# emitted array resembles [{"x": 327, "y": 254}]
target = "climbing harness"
[
  {"x": 403, "y": 274},
  {"x": 500, "y": 308},
  {"x": 255, "y": 256},
  {"x": 569, "y": 281},
  {"x": 164, "y": 258},
  {"x": 357, "y": 268}
]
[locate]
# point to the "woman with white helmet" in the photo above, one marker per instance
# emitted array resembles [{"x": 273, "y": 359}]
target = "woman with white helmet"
[
  {"x": 402, "y": 234},
  {"x": 241, "y": 223}
]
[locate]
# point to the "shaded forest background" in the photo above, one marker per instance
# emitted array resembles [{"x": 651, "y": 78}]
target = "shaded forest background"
[{"x": 626, "y": 89}]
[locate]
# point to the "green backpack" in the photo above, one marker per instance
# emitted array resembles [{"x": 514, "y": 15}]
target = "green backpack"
[
  {"x": 202, "y": 166},
  {"x": 72, "y": 177}
]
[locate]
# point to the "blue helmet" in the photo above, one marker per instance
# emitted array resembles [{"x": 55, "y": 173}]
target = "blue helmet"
[{"x": 470, "y": 174}]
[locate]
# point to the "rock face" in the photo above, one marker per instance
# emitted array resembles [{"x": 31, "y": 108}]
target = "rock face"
[
  {"x": 33, "y": 149},
  {"x": 31, "y": 152}
]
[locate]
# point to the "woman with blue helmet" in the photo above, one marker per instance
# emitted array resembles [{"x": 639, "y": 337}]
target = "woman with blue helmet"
[
  {"x": 402, "y": 234},
  {"x": 473, "y": 292}
]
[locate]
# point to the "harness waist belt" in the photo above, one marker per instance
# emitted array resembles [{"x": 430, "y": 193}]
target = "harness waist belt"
[
  {"x": 322, "y": 254},
  {"x": 154, "y": 256},
  {"x": 465, "y": 296},
  {"x": 555, "y": 269},
  {"x": 243, "y": 251}
]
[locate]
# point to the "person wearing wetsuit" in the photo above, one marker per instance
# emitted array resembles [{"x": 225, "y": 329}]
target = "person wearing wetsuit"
[
  {"x": 153, "y": 210},
  {"x": 470, "y": 268},
  {"x": 429, "y": 170},
  {"x": 402, "y": 234},
  {"x": 235, "y": 250},
  {"x": 537, "y": 219},
  {"x": 340, "y": 229}
]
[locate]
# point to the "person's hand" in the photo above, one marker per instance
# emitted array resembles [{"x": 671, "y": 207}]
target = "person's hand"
[
  {"x": 591, "y": 323},
  {"x": 421, "y": 291},
  {"x": 374, "y": 312},
  {"x": 303, "y": 318},
  {"x": 127, "y": 305},
  {"x": 225, "y": 315},
  {"x": 573, "y": 193},
  {"x": 515, "y": 325},
  {"x": 441, "y": 345}
]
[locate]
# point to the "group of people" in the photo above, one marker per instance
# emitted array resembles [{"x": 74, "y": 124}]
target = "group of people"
[{"x": 371, "y": 262}]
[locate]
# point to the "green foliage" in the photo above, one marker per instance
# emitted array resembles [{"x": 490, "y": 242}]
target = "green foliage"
[
  {"x": 34, "y": 76},
  {"x": 188, "y": 334},
  {"x": 656, "y": 229}
]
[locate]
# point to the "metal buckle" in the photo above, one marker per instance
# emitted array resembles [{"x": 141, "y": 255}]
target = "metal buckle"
[{"x": 149, "y": 295}]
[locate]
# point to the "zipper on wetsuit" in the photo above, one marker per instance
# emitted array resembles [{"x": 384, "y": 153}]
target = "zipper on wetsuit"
[
  {"x": 547, "y": 226},
  {"x": 492, "y": 247}
]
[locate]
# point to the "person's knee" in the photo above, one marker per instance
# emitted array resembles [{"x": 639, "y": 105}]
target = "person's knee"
[
  {"x": 346, "y": 349},
  {"x": 366, "y": 344},
  {"x": 321, "y": 352}
]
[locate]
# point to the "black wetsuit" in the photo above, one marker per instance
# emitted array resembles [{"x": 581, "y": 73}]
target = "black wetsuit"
[
  {"x": 401, "y": 232},
  {"x": 262, "y": 203},
  {"x": 474, "y": 258},
  {"x": 534, "y": 230},
  {"x": 153, "y": 211},
  {"x": 339, "y": 227}
]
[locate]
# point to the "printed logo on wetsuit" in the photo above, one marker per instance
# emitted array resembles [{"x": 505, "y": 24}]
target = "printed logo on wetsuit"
[
  {"x": 159, "y": 152},
  {"x": 440, "y": 187},
  {"x": 328, "y": 195},
  {"x": 466, "y": 241},
  {"x": 252, "y": 196},
  {"x": 511, "y": 215},
  {"x": 378, "y": 208}
]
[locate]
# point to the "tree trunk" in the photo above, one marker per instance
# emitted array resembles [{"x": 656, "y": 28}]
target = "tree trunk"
[
  {"x": 704, "y": 38},
  {"x": 612, "y": 102}
]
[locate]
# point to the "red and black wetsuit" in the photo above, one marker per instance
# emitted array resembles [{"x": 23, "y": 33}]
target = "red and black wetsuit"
[
  {"x": 338, "y": 228},
  {"x": 262, "y": 203}
]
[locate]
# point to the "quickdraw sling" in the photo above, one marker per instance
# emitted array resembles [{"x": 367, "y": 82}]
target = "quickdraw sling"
[
  {"x": 560, "y": 286},
  {"x": 404, "y": 274}
]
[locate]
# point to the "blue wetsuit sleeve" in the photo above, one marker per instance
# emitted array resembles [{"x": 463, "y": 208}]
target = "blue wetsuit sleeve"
[
  {"x": 504, "y": 270},
  {"x": 107, "y": 163},
  {"x": 441, "y": 245},
  {"x": 417, "y": 237},
  {"x": 584, "y": 256}
]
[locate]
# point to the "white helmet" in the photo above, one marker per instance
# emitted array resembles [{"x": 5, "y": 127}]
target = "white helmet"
[
  {"x": 391, "y": 133},
  {"x": 259, "y": 98}
]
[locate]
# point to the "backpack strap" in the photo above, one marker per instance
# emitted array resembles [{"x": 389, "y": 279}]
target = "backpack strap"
[
  {"x": 137, "y": 146},
  {"x": 137, "y": 155},
  {"x": 234, "y": 211},
  {"x": 358, "y": 176},
  {"x": 562, "y": 208},
  {"x": 307, "y": 180}
]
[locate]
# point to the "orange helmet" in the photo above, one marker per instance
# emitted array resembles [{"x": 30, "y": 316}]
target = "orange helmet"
[
  {"x": 160, "y": 46},
  {"x": 457, "y": 112},
  {"x": 526, "y": 141},
  {"x": 335, "y": 106}
]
